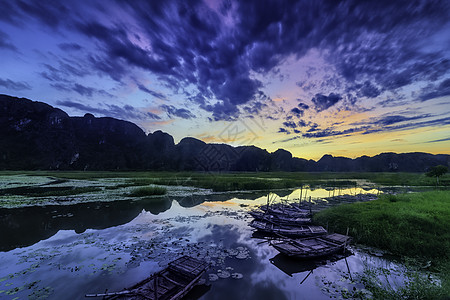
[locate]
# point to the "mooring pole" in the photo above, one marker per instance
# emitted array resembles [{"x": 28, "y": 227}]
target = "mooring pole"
[
  {"x": 301, "y": 192},
  {"x": 306, "y": 276},
  {"x": 345, "y": 248}
]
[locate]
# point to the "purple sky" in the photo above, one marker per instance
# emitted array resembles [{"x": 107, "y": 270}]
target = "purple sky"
[{"x": 313, "y": 77}]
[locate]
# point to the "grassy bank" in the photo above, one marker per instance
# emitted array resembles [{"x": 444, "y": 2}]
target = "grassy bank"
[
  {"x": 248, "y": 181},
  {"x": 415, "y": 225},
  {"x": 148, "y": 191}
]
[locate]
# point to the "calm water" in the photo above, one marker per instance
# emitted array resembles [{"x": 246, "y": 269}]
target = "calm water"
[{"x": 64, "y": 252}]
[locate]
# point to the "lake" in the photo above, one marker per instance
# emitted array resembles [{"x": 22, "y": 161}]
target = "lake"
[{"x": 64, "y": 250}]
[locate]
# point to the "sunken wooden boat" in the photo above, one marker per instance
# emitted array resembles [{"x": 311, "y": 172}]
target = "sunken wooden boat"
[
  {"x": 312, "y": 247},
  {"x": 279, "y": 218},
  {"x": 286, "y": 230},
  {"x": 172, "y": 283}
]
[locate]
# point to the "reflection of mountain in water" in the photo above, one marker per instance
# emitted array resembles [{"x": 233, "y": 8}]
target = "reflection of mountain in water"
[
  {"x": 26, "y": 226},
  {"x": 194, "y": 200}
]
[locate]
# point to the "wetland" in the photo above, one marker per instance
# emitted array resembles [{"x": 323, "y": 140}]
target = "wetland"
[{"x": 64, "y": 235}]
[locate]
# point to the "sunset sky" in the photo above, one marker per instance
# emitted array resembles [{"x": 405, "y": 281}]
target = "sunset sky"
[{"x": 346, "y": 78}]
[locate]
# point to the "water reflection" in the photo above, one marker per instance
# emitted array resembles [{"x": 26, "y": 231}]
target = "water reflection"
[
  {"x": 291, "y": 266},
  {"x": 115, "y": 256},
  {"x": 25, "y": 226}
]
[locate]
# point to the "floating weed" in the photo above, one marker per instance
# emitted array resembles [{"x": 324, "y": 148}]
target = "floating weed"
[
  {"x": 213, "y": 277},
  {"x": 15, "y": 290},
  {"x": 42, "y": 293}
]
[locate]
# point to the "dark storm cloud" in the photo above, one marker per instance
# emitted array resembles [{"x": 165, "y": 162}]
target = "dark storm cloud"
[
  {"x": 290, "y": 124},
  {"x": 283, "y": 130},
  {"x": 80, "y": 89},
  {"x": 303, "y": 106},
  {"x": 70, "y": 46},
  {"x": 67, "y": 71},
  {"x": 386, "y": 124},
  {"x": 322, "y": 102},
  {"x": 14, "y": 85},
  {"x": 177, "y": 112},
  {"x": 373, "y": 45},
  {"x": 366, "y": 89},
  {"x": 432, "y": 91},
  {"x": 255, "y": 107},
  {"x": 330, "y": 132},
  {"x": 390, "y": 119},
  {"x": 150, "y": 92},
  {"x": 297, "y": 112},
  {"x": 51, "y": 13},
  {"x": 439, "y": 140},
  {"x": 5, "y": 42},
  {"x": 302, "y": 123},
  {"x": 126, "y": 112}
]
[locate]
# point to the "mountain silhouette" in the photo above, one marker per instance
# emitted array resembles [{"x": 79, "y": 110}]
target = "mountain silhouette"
[{"x": 37, "y": 136}]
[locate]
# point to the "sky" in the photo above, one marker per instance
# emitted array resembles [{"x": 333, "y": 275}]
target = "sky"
[{"x": 346, "y": 78}]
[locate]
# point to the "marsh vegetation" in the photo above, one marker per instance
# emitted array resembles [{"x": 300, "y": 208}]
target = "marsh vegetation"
[{"x": 413, "y": 225}]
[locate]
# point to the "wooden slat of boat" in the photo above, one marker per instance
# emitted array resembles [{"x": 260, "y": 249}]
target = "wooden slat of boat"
[
  {"x": 170, "y": 283},
  {"x": 330, "y": 242},
  {"x": 340, "y": 238},
  {"x": 184, "y": 291},
  {"x": 188, "y": 266},
  {"x": 171, "y": 280}
]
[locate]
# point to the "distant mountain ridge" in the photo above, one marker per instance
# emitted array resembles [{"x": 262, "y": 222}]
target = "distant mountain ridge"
[{"x": 37, "y": 136}]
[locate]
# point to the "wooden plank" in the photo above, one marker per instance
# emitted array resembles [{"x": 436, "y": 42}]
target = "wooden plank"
[{"x": 171, "y": 280}]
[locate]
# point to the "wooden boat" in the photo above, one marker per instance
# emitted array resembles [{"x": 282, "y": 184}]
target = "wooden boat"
[
  {"x": 288, "y": 231},
  {"x": 312, "y": 247},
  {"x": 172, "y": 283},
  {"x": 278, "y": 218},
  {"x": 286, "y": 210}
]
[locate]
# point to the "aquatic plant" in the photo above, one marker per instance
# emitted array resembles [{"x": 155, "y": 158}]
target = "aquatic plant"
[{"x": 148, "y": 191}]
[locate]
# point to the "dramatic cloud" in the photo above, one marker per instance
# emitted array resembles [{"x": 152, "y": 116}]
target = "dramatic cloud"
[
  {"x": 70, "y": 46},
  {"x": 367, "y": 89},
  {"x": 228, "y": 59},
  {"x": 14, "y": 85},
  {"x": 303, "y": 106},
  {"x": 81, "y": 89},
  {"x": 322, "y": 102},
  {"x": 177, "y": 112},
  {"x": 299, "y": 113},
  {"x": 290, "y": 124},
  {"x": 191, "y": 44},
  {"x": 432, "y": 91},
  {"x": 150, "y": 92},
  {"x": 385, "y": 124},
  {"x": 126, "y": 112},
  {"x": 5, "y": 42},
  {"x": 439, "y": 140}
]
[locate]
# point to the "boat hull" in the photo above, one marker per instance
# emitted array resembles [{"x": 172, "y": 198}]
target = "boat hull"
[{"x": 288, "y": 231}]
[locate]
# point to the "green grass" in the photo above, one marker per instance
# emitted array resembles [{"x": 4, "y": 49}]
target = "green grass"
[
  {"x": 415, "y": 225},
  {"x": 148, "y": 191},
  {"x": 247, "y": 180}
]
